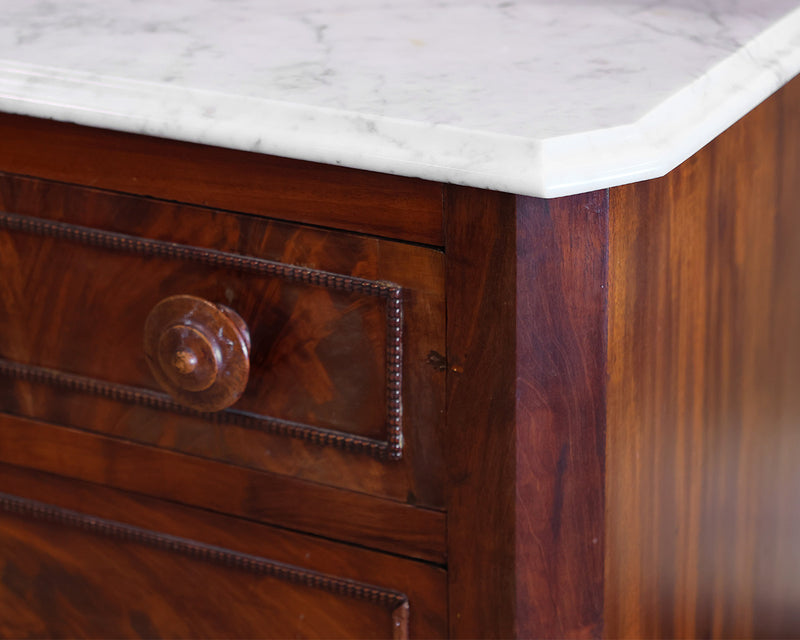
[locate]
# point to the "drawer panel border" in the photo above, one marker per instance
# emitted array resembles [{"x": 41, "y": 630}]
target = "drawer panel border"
[
  {"x": 392, "y": 447},
  {"x": 162, "y": 402},
  {"x": 395, "y": 601}
]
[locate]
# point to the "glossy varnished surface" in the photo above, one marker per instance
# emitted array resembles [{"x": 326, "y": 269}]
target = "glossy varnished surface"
[
  {"x": 326, "y": 349},
  {"x": 318, "y": 194},
  {"x": 703, "y": 516},
  {"x": 525, "y": 414},
  {"x": 481, "y": 413},
  {"x": 80, "y": 560},
  {"x": 198, "y": 351},
  {"x": 560, "y": 368},
  {"x": 651, "y": 334},
  {"x": 353, "y": 517}
]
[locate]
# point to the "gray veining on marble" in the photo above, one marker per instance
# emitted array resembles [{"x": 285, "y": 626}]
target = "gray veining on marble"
[{"x": 540, "y": 98}]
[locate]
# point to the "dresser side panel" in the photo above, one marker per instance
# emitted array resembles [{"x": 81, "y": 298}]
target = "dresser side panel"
[{"x": 704, "y": 390}]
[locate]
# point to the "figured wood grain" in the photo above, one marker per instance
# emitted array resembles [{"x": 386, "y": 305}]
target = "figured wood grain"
[
  {"x": 70, "y": 385},
  {"x": 48, "y": 522},
  {"x": 324, "y": 195},
  {"x": 264, "y": 497},
  {"x": 280, "y": 378},
  {"x": 560, "y": 438},
  {"x": 526, "y": 349},
  {"x": 257, "y": 278},
  {"x": 325, "y": 328},
  {"x": 79, "y": 559},
  {"x": 481, "y": 415},
  {"x": 696, "y": 381},
  {"x": 703, "y": 517}
]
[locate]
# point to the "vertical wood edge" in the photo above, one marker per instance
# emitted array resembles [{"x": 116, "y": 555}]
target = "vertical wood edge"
[
  {"x": 526, "y": 334},
  {"x": 479, "y": 446},
  {"x": 562, "y": 274}
]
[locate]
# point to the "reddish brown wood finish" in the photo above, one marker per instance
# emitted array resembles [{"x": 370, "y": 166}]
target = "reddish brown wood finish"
[
  {"x": 526, "y": 347},
  {"x": 329, "y": 196},
  {"x": 333, "y": 356},
  {"x": 561, "y": 308},
  {"x": 275, "y": 499},
  {"x": 114, "y": 565},
  {"x": 703, "y": 513},
  {"x": 300, "y": 317},
  {"x": 481, "y": 413},
  {"x": 198, "y": 351},
  {"x": 667, "y": 313}
]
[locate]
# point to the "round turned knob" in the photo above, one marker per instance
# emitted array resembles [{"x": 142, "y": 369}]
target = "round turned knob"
[{"x": 198, "y": 351}]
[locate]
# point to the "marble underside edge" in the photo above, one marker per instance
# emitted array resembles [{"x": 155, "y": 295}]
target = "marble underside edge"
[{"x": 551, "y": 167}]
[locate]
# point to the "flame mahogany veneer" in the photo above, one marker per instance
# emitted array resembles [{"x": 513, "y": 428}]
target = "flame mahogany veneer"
[{"x": 466, "y": 413}]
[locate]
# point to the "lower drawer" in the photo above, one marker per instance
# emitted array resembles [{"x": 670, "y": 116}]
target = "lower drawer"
[{"x": 82, "y": 560}]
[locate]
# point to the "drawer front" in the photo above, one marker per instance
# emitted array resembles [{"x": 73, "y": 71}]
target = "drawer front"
[
  {"x": 74, "y": 573},
  {"x": 338, "y": 386}
]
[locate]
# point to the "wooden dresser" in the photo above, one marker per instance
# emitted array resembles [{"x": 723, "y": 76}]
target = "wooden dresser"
[{"x": 246, "y": 396}]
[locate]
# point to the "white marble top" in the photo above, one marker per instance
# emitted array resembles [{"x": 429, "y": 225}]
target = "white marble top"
[{"x": 538, "y": 97}]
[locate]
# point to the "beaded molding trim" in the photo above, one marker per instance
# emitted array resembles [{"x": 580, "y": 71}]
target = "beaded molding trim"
[
  {"x": 395, "y": 601},
  {"x": 392, "y": 447},
  {"x": 162, "y": 402}
]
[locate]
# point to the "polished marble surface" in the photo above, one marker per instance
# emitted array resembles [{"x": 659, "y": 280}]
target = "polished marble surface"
[{"x": 539, "y": 98}]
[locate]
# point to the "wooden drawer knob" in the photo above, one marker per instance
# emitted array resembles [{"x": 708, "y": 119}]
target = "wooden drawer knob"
[{"x": 199, "y": 352}]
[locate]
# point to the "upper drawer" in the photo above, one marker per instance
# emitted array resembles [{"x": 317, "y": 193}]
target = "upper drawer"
[{"x": 340, "y": 383}]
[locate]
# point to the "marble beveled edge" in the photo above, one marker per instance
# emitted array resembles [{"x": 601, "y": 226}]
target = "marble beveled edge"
[
  {"x": 680, "y": 125},
  {"x": 552, "y": 167}
]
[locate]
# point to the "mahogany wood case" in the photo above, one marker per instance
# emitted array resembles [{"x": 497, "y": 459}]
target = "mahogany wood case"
[{"x": 244, "y": 396}]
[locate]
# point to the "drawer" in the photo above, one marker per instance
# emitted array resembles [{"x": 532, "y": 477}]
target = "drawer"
[
  {"x": 340, "y": 383},
  {"x": 82, "y": 561}
]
